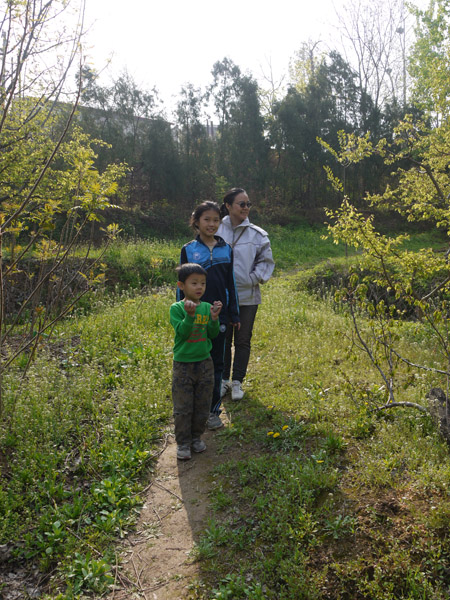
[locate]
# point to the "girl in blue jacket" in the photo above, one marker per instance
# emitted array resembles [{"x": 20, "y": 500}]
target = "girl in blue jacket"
[{"x": 216, "y": 257}]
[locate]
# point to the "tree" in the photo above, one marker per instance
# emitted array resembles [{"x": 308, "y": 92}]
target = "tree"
[
  {"x": 195, "y": 146},
  {"x": 429, "y": 61},
  {"x": 392, "y": 282},
  {"x": 121, "y": 115},
  {"x": 375, "y": 38},
  {"x": 50, "y": 190},
  {"x": 241, "y": 149},
  {"x": 324, "y": 99}
]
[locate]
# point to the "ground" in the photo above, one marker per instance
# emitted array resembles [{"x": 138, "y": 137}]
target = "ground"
[{"x": 158, "y": 561}]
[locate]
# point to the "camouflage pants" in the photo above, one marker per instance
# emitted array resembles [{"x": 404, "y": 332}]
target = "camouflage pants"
[{"x": 192, "y": 386}]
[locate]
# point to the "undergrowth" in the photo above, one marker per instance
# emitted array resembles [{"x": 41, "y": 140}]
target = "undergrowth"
[{"x": 328, "y": 499}]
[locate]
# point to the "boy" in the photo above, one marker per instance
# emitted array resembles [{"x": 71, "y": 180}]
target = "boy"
[{"x": 195, "y": 324}]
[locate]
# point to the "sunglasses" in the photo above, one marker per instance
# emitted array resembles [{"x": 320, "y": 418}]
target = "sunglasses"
[{"x": 244, "y": 204}]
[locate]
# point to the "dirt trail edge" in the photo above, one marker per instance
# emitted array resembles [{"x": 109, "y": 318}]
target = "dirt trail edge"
[{"x": 157, "y": 561}]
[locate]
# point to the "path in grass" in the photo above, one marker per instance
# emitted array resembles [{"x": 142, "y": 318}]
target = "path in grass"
[{"x": 158, "y": 562}]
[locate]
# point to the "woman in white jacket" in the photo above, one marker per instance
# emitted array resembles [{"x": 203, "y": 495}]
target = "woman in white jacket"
[{"x": 253, "y": 265}]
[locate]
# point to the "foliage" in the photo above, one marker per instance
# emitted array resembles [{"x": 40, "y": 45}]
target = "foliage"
[
  {"x": 47, "y": 177},
  {"x": 303, "y": 512},
  {"x": 78, "y": 437},
  {"x": 417, "y": 284},
  {"x": 341, "y": 502}
]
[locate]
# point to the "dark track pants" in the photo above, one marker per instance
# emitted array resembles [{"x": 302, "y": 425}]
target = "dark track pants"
[{"x": 242, "y": 339}]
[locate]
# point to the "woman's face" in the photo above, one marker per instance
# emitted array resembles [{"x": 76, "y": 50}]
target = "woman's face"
[{"x": 240, "y": 208}]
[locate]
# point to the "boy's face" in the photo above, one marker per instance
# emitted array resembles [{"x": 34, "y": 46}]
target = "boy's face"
[{"x": 194, "y": 287}]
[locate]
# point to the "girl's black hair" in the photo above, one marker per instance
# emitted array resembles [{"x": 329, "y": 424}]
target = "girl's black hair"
[
  {"x": 229, "y": 199},
  {"x": 201, "y": 208},
  {"x": 187, "y": 269}
]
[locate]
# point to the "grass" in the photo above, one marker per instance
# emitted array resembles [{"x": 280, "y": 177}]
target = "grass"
[
  {"x": 79, "y": 438},
  {"x": 328, "y": 500}
]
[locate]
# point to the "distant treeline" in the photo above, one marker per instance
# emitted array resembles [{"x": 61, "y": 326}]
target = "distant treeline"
[{"x": 267, "y": 145}]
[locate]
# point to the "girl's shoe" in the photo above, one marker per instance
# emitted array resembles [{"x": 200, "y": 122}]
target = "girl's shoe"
[
  {"x": 183, "y": 452},
  {"x": 198, "y": 445},
  {"x": 237, "y": 393},
  {"x": 214, "y": 422},
  {"x": 225, "y": 387}
]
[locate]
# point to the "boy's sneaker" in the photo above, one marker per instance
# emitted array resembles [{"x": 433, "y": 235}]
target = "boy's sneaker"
[
  {"x": 225, "y": 387},
  {"x": 214, "y": 422},
  {"x": 198, "y": 445},
  {"x": 183, "y": 452},
  {"x": 237, "y": 393}
]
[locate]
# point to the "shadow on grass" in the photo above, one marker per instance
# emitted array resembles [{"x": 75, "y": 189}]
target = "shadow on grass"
[{"x": 260, "y": 482}]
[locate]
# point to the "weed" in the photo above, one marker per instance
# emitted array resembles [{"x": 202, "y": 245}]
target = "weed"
[
  {"x": 235, "y": 587},
  {"x": 339, "y": 526},
  {"x": 87, "y": 573}
]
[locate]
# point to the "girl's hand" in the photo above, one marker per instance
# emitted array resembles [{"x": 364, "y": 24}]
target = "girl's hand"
[
  {"x": 215, "y": 310},
  {"x": 237, "y": 326},
  {"x": 190, "y": 307}
]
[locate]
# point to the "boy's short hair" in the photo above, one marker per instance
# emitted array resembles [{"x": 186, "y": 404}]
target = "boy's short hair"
[{"x": 189, "y": 269}]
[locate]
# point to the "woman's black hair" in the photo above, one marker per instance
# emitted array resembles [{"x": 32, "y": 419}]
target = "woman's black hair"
[
  {"x": 229, "y": 199},
  {"x": 187, "y": 269},
  {"x": 201, "y": 208}
]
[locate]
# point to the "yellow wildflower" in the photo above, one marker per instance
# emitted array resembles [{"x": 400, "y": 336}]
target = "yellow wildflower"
[
  {"x": 270, "y": 433},
  {"x": 319, "y": 461},
  {"x": 275, "y": 435},
  {"x": 285, "y": 427}
]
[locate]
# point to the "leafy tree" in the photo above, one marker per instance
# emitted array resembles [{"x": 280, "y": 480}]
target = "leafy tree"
[
  {"x": 121, "y": 115},
  {"x": 161, "y": 173},
  {"x": 241, "y": 149},
  {"x": 47, "y": 177},
  {"x": 429, "y": 61},
  {"x": 195, "y": 146},
  {"x": 325, "y": 99},
  {"x": 399, "y": 282}
]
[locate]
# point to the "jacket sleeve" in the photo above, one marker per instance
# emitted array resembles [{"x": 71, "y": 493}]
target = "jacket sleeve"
[
  {"x": 264, "y": 264},
  {"x": 233, "y": 302},
  {"x": 183, "y": 259}
]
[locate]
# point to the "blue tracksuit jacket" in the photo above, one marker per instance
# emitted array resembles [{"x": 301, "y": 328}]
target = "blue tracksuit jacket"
[{"x": 220, "y": 284}]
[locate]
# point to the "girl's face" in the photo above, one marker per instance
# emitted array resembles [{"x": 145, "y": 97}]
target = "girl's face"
[
  {"x": 208, "y": 224},
  {"x": 240, "y": 208}
]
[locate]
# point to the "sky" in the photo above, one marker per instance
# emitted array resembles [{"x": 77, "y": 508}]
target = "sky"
[{"x": 169, "y": 43}]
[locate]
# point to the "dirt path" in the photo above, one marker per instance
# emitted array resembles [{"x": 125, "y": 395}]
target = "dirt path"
[{"x": 158, "y": 558}]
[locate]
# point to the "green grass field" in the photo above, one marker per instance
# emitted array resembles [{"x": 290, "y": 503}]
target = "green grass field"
[{"x": 329, "y": 499}]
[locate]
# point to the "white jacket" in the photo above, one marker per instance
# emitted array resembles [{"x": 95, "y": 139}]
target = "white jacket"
[{"x": 253, "y": 261}]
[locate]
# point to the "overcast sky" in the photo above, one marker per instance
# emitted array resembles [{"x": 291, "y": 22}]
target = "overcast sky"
[{"x": 171, "y": 42}]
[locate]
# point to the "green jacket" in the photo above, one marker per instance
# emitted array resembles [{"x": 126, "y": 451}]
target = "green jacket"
[{"x": 192, "y": 334}]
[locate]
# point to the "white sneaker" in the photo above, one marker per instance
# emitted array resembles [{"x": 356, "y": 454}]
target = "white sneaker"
[
  {"x": 237, "y": 393},
  {"x": 225, "y": 387}
]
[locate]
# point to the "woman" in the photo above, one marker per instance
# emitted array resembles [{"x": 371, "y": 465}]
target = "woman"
[{"x": 253, "y": 265}]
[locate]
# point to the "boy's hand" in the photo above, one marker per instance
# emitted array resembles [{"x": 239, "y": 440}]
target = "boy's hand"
[
  {"x": 190, "y": 307},
  {"x": 215, "y": 310}
]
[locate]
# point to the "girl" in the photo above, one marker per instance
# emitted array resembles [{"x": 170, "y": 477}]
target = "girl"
[
  {"x": 253, "y": 265},
  {"x": 216, "y": 257}
]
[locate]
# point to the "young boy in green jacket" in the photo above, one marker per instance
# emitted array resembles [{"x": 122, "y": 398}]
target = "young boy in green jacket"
[{"x": 195, "y": 323}]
